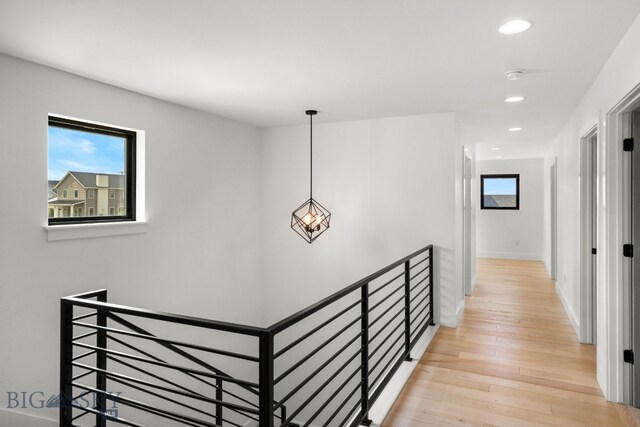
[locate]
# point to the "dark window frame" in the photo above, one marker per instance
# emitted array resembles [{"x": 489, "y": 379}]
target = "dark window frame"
[
  {"x": 500, "y": 176},
  {"x": 129, "y": 165}
]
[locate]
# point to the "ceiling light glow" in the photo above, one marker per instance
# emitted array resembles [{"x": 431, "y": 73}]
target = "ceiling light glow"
[
  {"x": 515, "y": 27},
  {"x": 513, "y": 99},
  {"x": 516, "y": 129},
  {"x": 495, "y": 148}
]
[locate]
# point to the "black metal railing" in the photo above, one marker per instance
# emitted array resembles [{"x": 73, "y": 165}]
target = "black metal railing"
[{"x": 325, "y": 365}]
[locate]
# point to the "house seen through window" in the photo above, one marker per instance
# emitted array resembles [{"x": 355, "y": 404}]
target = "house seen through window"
[
  {"x": 500, "y": 192},
  {"x": 91, "y": 173}
]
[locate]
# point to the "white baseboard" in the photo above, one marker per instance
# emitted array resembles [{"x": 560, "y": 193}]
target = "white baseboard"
[
  {"x": 544, "y": 261},
  {"x": 510, "y": 255},
  {"x": 10, "y": 417},
  {"x": 567, "y": 308},
  {"x": 388, "y": 397}
]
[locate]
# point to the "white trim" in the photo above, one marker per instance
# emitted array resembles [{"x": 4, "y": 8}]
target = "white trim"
[
  {"x": 83, "y": 231},
  {"x": 587, "y": 333},
  {"x": 614, "y": 304},
  {"x": 570, "y": 313},
  {"x": 452, "y": 320},
  {"x": 391, "y": 392},
  {"x": 510, "y": 255},
  {"x": 546, "y": 265}
]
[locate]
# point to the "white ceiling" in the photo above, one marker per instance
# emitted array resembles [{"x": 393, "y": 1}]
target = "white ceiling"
[{"x": 264, "y": 62}]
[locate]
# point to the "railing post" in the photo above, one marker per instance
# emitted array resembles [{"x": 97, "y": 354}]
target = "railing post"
[
  {"x": 364, "y": 321},
  {"x": 266, "y": 379},
  {"x": 431, "y": 272},
  {"x": 66, "y": 354},
  {"x": 407, "y": 311},
  {"x": 101, "y": 363},
  {"x": 219, "y": 397}
]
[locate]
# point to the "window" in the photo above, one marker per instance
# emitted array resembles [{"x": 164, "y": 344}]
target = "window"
[
  {"x": 98, "y": 158},
  {"x": 500, "y": 192}
]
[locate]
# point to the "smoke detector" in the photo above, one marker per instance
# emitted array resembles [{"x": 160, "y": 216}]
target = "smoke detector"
[{"x": 514, "y": 74}]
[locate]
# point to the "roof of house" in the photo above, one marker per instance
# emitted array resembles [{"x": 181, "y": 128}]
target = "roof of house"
[
  {"x": 499, "y": 201},
  {"x": 65, "y": 202},
  {"x": 88, "y": 179}
]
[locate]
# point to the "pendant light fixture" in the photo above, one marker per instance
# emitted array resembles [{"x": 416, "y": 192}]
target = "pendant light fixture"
[{"x": 311, "y": 219}]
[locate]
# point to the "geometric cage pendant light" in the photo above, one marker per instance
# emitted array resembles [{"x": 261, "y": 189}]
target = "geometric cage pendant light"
[{"x": 311, "y": 219}]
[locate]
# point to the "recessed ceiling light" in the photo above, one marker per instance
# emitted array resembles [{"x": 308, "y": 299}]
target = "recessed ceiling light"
[
  {"x": 513, "y": 99},
  {"x": 515, "y": 129},
  {"x": 515, "y": 27},
  {"x": 495, "y": 148},
  {"x": 514, "y": 74}
]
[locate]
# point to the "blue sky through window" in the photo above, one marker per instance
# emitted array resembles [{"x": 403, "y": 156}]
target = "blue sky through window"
[
  {"x": 500, "y": 186},
  {"x": 73, "y": 150}
]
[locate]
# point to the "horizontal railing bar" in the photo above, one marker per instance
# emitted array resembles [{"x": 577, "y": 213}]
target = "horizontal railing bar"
[
  {"x": 314, "y": 330},
  {"x": 175, "y": 402},
  {"x": 399, "y": 352},
  {"x": 418, "y": 306},
  {"x": 419, "y": 325},
  {"x": 344, "y": 402},
  {"x": 109, "y": 418},
  {"x": 418, "y": 273},
  {"x": 381, "y": 287},
  {"x": 322, "y": 387},
  {"x": 137, "y": 368},
  {"x": 160, "y": 396},
  {"x": 80, "y": 376},
  {"x": 80, "y": 356},
  {"x": 189, "y": 394},
  {"x": 89, "y": 294},
  {"x": 418, "y": 263},
  {"x": 419, "y": 283},
  {"x": 306, "y": 312},
  {"x": 315, "y": 351},
  {"x": 351, "y": 412},
  {"x": 81, "y": 336},
  {"x": 80, "y": 396},
  {"x": 384, "y": 327},
  {"x": 385, "y": 354},
  {"x": 85, "y": 412},
  {"x": 386, "y": 311},
  {"x": 167, "y": 317},
  {"x": 414, "y": 341},
  {"x": 86, "y": 315},
  {"x": 417, "y": 294},
  {"x": 393, "y": 331},
  {"x": 378, "y": 390},
  {"x": 166, "y": 341},
  {"x": 183, "y": 369},
  {"x": 173, "y": 348},
  {"x": 314, "y": 373},
  {"x": 333, "y": 395},
  {"x": 145, "y": 407},
  {"x": 376, "y": 305}
]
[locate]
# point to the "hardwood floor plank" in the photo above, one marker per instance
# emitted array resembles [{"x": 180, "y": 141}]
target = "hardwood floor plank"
[{"x": 514, "y": 360}]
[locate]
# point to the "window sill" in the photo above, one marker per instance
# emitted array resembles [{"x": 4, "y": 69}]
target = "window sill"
[{"x": 84, "y": 231}]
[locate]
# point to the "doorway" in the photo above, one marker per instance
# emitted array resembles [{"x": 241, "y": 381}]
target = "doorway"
[
  {"x": 634, "y": 265},
  {"x": 588, "y": 236},
  {"x": 554, "y": 219},
  {"x": 468, "y": 280}
]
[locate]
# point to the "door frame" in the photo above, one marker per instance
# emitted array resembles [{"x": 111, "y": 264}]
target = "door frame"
[
  {"x": 553, "y": 182},
  {"x": 588, "y": 179},
  {"x": 467, "y": 221},
  {"x": 614, "y": 230}
]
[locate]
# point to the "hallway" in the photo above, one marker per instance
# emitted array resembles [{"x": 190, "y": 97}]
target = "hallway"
[{"x": 514, "y": 360}]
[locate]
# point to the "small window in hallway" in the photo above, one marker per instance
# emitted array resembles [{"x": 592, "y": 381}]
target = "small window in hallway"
[{"x": 500, "y": 192}]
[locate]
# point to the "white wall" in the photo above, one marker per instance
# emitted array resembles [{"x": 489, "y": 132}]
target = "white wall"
[
  {"x": 389, "y": 184},
  {"x": 512, "y": 234},
  {"x": 197, "y": 258},
  {"x": 618, "y": 77}
]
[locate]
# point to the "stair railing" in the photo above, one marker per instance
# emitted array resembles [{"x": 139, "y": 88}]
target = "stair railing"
[{"x": 328, "y": 363}]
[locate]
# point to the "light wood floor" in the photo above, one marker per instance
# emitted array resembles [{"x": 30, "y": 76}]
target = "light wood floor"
[{"x": 513, "y": 360}]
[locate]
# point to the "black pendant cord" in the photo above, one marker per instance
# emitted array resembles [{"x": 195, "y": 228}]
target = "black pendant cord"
[{"x": 311, "y": 156}]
